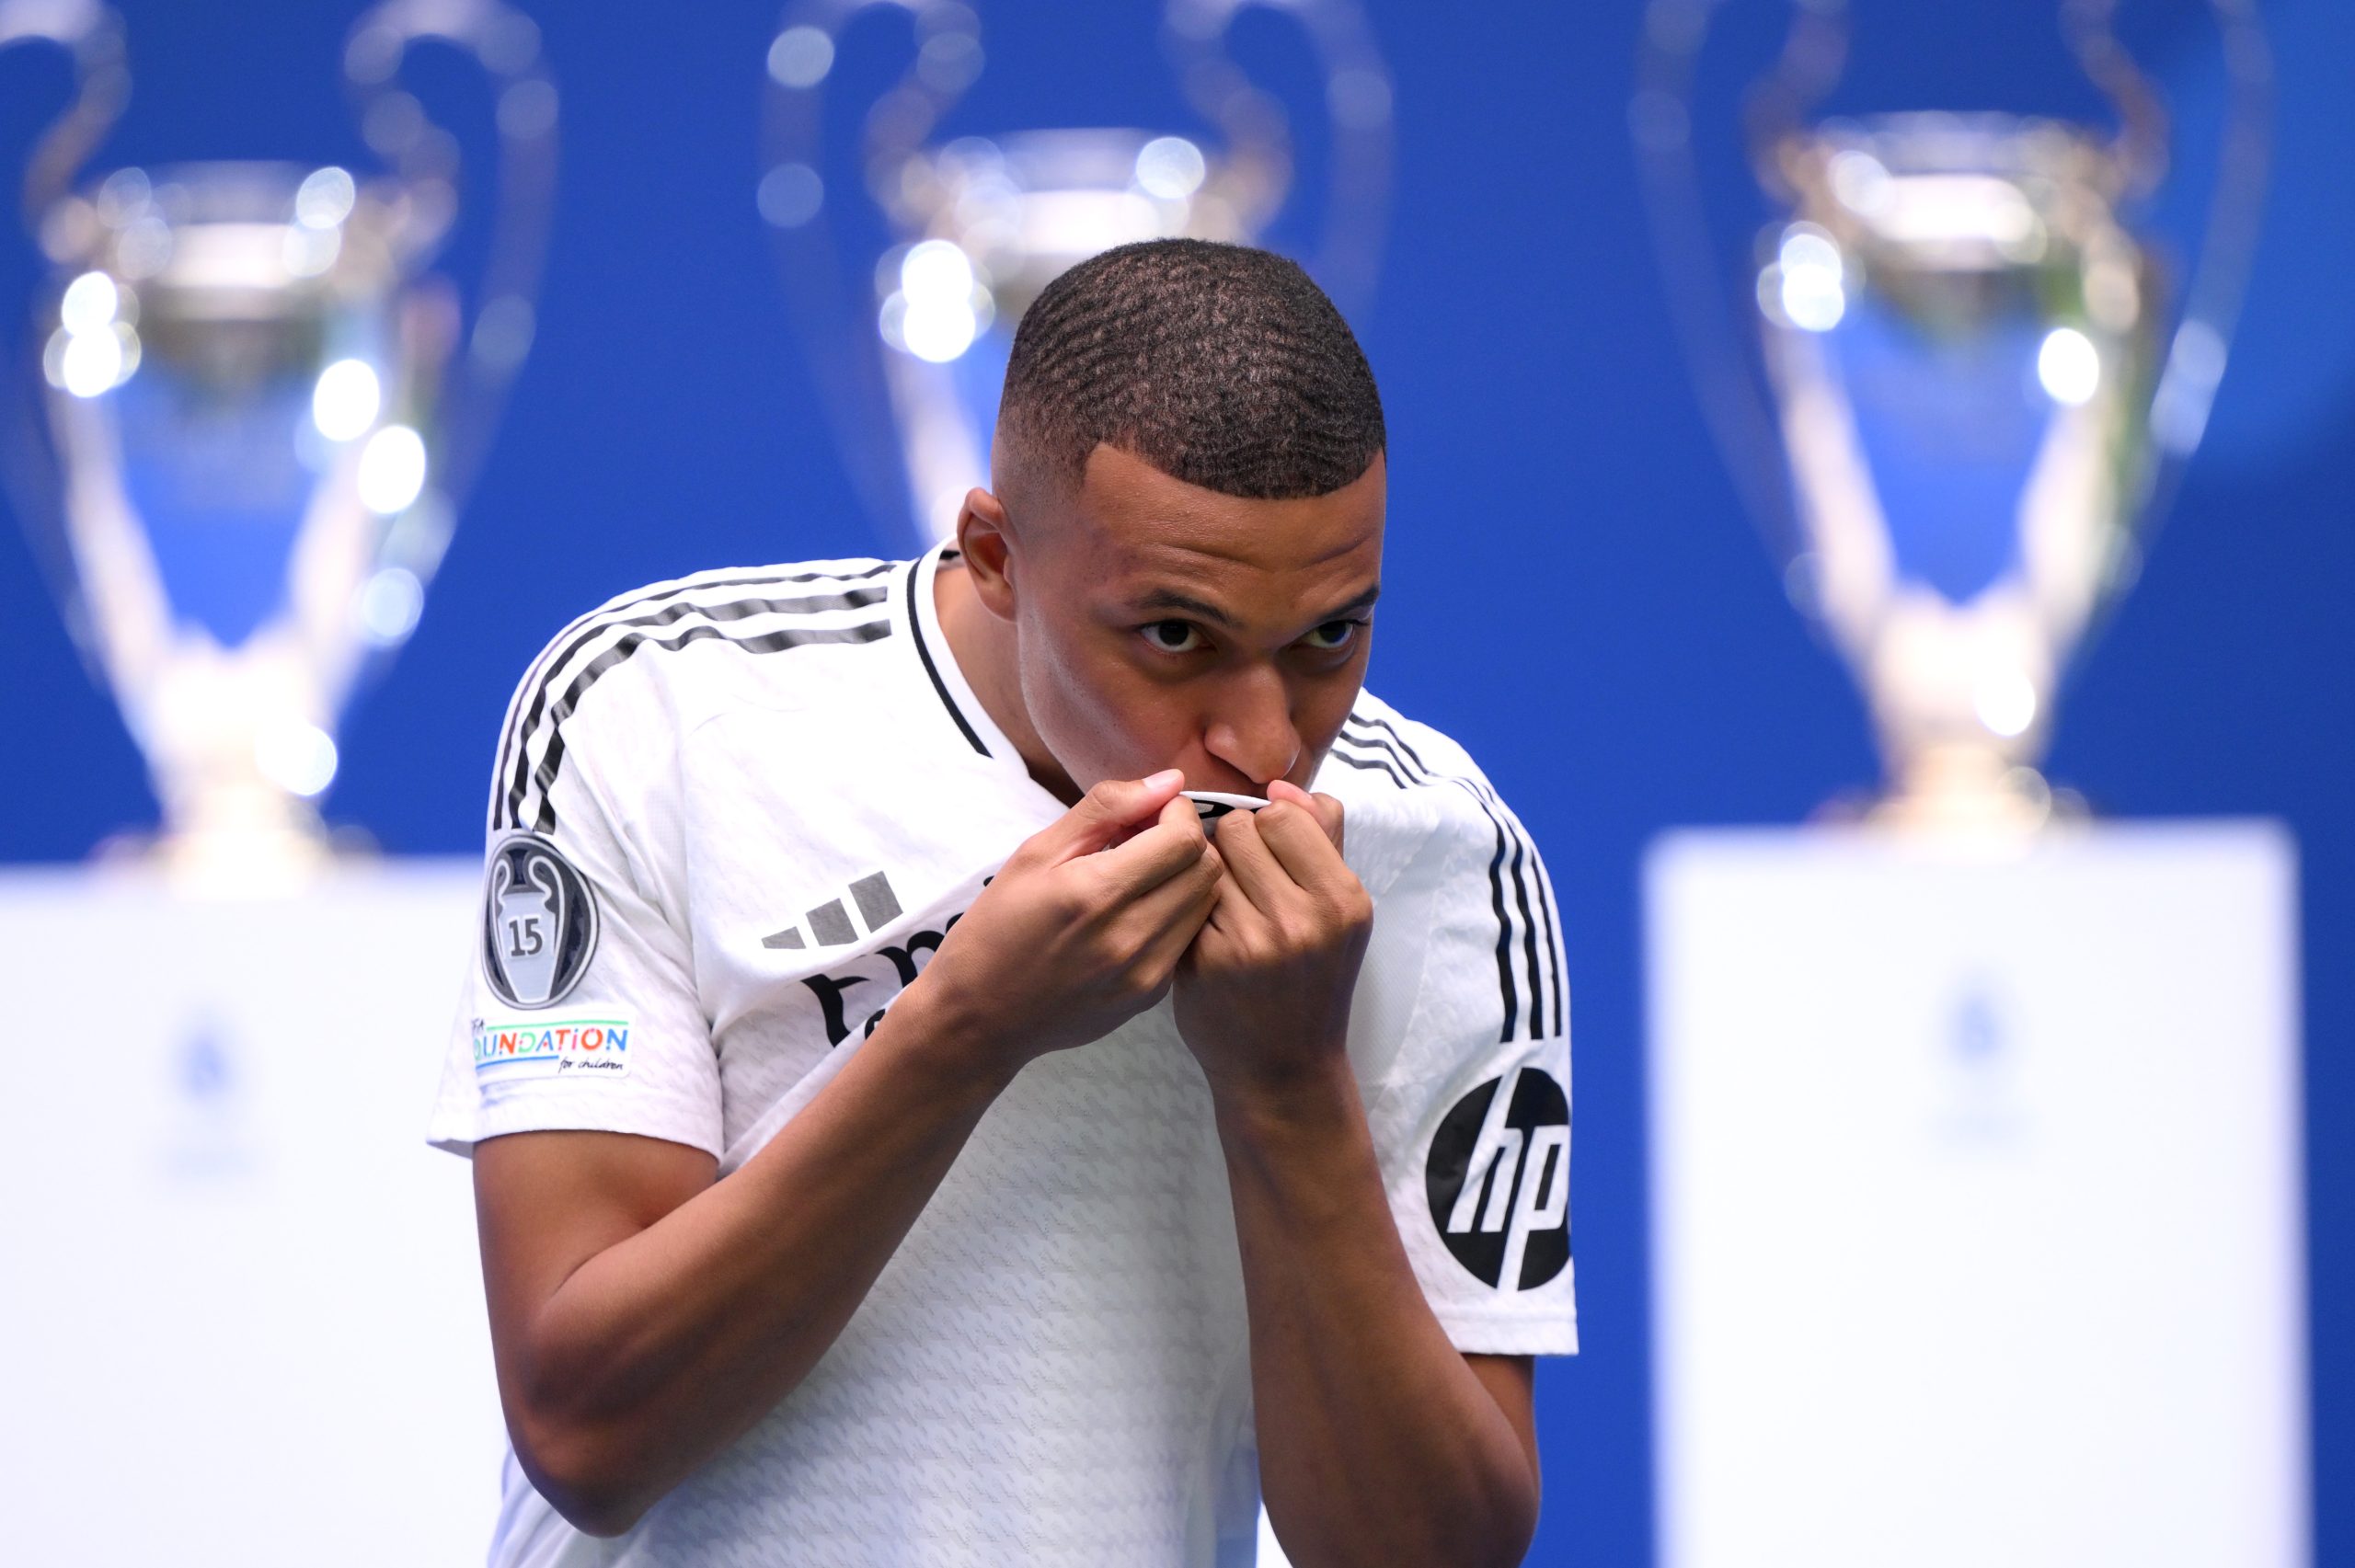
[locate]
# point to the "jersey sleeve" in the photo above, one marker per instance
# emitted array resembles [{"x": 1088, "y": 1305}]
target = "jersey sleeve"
[
  {"x": 1470, "y": 1112},
  {"x": 578, "y": 1009}
]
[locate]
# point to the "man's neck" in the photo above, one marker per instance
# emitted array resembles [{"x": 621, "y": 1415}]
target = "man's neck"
[{"x": 983, "y": 646}]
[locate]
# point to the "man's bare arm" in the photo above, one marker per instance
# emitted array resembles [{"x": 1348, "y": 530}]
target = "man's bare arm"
[
  {"x": 1379, "y": 1442},
  {"x": 645, "y": 1314}
]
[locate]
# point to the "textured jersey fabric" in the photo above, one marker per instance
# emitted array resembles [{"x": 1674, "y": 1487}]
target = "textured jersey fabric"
[{"x": 733, "y": 816}]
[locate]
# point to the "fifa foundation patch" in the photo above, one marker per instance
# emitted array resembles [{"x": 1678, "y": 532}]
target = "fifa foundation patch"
[{"x": 586, "y": 1049}]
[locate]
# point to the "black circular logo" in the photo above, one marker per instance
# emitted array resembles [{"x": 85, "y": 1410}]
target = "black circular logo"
[
  {"x": 539, "y": 922},
  {"x": 1498, "y": 1180}
]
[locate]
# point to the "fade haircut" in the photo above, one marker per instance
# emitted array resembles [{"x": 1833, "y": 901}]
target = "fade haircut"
[{"x": 1220, "y": 365}]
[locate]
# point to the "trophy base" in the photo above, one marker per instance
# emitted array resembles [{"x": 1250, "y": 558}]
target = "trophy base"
[
  {"x": 2026, "y": 1128},
  {"x": 264, "y": 855},
  {"x": 1968, "y": 792}
]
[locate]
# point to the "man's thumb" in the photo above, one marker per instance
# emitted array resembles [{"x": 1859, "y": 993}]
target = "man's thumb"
[{"x": 1107, "y": 812}]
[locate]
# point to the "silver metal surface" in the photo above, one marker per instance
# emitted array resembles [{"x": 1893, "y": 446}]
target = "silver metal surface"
[
  {"x": 258, "y": 407},
  {"x": 1965, "y": 382},
  {"x": 979, "y": 224}
]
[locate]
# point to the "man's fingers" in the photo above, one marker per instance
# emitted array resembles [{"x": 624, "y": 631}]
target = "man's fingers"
[
  {"x": 1108, "y": 813},
  {"x": 1175, "y": 911},
  {"x": 1158, "y": 852},
  {"x": 1231, "y": 907},
  {"x": 1296, "y": 838},
  {"x": 1327, "y": 810},
  {"x": 1249, "y": 862}
]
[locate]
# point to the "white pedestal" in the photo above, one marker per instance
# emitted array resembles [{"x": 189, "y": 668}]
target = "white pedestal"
[
  {"x": 1977, "y": 1196},
  {"x": 240, "y": 1296}
]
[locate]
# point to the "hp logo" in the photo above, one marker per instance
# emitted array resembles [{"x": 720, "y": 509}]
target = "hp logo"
[{"x": 1498, "y": 1180}]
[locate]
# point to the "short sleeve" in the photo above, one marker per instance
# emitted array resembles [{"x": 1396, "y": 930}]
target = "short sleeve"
[
  {"x": 578, "y": 1009},
  {"x": 1471, "y": 1108}
]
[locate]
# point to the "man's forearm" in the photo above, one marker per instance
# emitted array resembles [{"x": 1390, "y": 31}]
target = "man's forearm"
[
  {"x": 662, "y": 1348},
  {"x": 1377, "y": 1444}
]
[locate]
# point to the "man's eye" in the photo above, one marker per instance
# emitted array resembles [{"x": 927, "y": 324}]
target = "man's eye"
[
  {"x": 1333, "y": 635},
  {"x": 1174, "y": 637}
]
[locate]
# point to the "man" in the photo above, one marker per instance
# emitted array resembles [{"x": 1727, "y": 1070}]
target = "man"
[{"x": 903, "y": 1135}]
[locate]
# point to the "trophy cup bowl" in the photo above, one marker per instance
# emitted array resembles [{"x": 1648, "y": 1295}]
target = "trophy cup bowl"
[
  {"x": 253, "y": 397},
  {"x": 991, "y": 223},
  {"x": 238, "y": 381},
  {"x": 1968, "y": 381},
  {"x": 1960, "y": 337},
  {"x": 981, "y": 224}
]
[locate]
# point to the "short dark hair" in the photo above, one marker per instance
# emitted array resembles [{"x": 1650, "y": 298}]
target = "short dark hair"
[{"x": 1220, "y": 365}]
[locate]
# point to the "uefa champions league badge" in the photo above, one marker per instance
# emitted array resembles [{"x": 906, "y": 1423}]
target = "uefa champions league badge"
[{"x": 539, "y": 922}]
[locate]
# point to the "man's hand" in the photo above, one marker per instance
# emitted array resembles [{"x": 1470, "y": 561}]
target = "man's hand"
[
  {"x": 1263, "y": 995},
  {"x": 1379, "y": 1441},
  {"x": 1083, "y": 927},
  {"x": 645, "y": 1313}
]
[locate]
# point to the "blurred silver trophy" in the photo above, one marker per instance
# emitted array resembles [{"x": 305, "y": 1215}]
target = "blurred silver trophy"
[
  {"x": 259, "y": 409},
  {"x": 979, "y": 225},
  {"x": 1973, "y": 379}
]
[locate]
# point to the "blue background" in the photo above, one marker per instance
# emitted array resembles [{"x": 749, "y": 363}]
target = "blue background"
[{"x": 1571, "y": 587}]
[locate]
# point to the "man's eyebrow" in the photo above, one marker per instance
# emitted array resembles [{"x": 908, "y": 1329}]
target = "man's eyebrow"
[
  {"x": 1362, "y": 601},
  {"x": 1170, "y": 598}
]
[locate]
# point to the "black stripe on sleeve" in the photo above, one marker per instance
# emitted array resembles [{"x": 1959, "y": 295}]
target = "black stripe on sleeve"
[
  {"x": 535, "y": 718},
  {"x": 1508, "y": 994},
  {"x": 766, "y": 642},
  {"x": 1361, "y": 730},
  {"x": 1495, "y": 811},
  {"x": 1553, "y": 953},
  {"x": 1370, "y": 765},
  {"x": 1528, "y": 941},
  {"x": 1504, "y": 937},
  {"x": 570, "y": 639}
]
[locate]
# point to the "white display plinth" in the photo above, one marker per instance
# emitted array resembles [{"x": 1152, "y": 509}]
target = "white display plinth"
[
  {"x": 1977, "y": 1227},
  {"x": 240, "y": 1295}
]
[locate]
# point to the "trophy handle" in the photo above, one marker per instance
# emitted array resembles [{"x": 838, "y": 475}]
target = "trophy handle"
[
  {"x": 838, "y": 332},
  {"x": 1733, "y": 402},
  {"x": 506, "y": 44},
  {"x": 2140, "y": 150},
  {"x": 2219, "y": 278},
  {"x": 92, "y": 33},
  {"x": 801, "y": 58},
  {"x": 1358, "y": 107},
  {"x": 1734, "y": 405},
  {"x": 1815, "y": 52}
]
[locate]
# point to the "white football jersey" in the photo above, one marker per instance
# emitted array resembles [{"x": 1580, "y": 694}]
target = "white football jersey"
[{"x": 733, "y": 816}]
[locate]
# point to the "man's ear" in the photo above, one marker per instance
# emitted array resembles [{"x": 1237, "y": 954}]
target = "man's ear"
[{"x": 987, "y": 545}]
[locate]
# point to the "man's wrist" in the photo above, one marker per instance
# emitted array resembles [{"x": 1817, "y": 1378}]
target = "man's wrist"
[
  {"x": 1299, "y": 1149},
  {"x": 955, "y": 1042},
  {"x": 1271, "y": 1111}
]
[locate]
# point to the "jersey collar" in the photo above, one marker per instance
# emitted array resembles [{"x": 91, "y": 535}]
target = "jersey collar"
[{"x": 921, "y": 614}]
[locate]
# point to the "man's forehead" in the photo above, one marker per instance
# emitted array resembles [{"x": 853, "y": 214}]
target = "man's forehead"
[
  {"x": 1137, "y": 518},
  {"x": 1186, "y": 547},
  {"x": 1237, "y": 589}
]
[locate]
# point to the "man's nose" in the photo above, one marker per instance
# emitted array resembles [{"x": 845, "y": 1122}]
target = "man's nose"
[{"x": 1251, "y": 728}]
